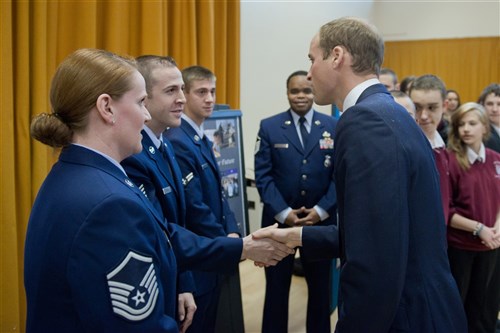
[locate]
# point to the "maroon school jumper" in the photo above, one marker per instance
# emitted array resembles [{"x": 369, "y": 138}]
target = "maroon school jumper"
[
  {"x": 441, "y": 157},
  {"x": 475, "y": 195}
]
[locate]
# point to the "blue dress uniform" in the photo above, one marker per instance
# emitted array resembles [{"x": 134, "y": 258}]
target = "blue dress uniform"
[
  {"x": 99, "y": 258},
  {"x": 394, "y": 274},
  {"x": 207, "y": 211},
  {"x": 288, "y": 175},
  {"x": 157, "y": 174}
]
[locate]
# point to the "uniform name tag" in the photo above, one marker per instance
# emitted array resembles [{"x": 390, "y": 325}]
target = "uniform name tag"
[
  {"x": 167, "y": 190},
  {"x": 281, "y": 145}
]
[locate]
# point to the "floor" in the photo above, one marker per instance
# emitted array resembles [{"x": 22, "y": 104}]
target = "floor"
[{"x": 253, "y": 290}]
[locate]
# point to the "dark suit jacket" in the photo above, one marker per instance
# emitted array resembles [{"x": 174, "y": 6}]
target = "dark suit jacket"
[
  {"x": 207, "y": 210},
  {"x": 394, "y": 274},
  {"x": 288, "y": 175},
  {"x": 162, "y": 184},
  {"x": 92, "y": 232},
  {"x": 493, "y": 141}
]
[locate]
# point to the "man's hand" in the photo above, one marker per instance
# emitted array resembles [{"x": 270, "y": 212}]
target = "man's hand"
[
  {"x": 292, "y": 237},
  {"x": 311, "y": 218},
  {"x": 187, "y": 308},
  {"x": 266, "y": 251},
  {"x": 293, "y": 216}
]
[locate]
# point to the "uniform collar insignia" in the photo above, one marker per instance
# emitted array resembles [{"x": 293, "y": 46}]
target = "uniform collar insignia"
[
  {"x": 128, "y": 182},
  {"x": 196, "y": 138},
  {"x": 152, "y": 150},
  {"x": 317, "y": 123},
  {"x": 288, "y": 122}
]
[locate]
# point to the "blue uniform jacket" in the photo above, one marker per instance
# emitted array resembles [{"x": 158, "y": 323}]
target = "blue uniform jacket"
[
  {"x": 394, "y": 273},
  {"x": 288, "y": 175},
  {"x": 99, "y": 258},
  {"x": 162, "y": 184},
  {"x": 207, "y": 210}
]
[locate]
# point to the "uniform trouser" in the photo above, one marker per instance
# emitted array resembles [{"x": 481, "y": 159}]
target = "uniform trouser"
[
  {"x": 230, "y": 309},
  {"x": 278, "y": 280},
  {"x": 206, "y": 312},
  {"x": 478, "y": 280}
]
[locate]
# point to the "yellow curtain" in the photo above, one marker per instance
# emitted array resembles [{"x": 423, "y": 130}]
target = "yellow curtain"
[
  {"x": 466, "y": 65},
  {"x": 35, "y": 37}
]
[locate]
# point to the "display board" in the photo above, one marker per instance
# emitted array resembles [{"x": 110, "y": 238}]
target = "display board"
[{"x": 223, "y": 128}]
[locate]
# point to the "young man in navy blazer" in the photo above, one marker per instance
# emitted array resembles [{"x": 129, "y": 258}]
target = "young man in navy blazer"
[
  {"x": 391, "y": 239},
  {"x": 208, "y": 213},
  {"x": 294, "y": 176},
  {"x": 155, "y": 170}
]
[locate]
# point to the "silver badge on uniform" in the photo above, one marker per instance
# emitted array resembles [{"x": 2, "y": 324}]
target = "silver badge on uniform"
[
  {"x": 196, "y": 138},
  {"x": 257, "y": 145},
  {"x": 152, "y": 150},
  {"x": 133, "y": 287},
  {"x": 328, "y": 161},
  {"x": 128, "y": 182},
  {"x": 326, "y": 142}
]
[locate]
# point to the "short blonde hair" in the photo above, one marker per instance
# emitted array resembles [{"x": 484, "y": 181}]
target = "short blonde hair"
[{"x": 363, "y": 42}]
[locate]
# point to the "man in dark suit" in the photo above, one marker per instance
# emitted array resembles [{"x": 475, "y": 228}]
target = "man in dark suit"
[
  {"x": 394, "y": 273},
  {"x": 207, "y": 210},
  {"x": 294, "y": 176},
  {"x": 490, "y": 99}
]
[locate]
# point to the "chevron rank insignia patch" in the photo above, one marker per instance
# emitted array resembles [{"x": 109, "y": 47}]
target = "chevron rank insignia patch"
[
  {"x": 187, "y": 179},
  {"x": 133, "y": 287}
]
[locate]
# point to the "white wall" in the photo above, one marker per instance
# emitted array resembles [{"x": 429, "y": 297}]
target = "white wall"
[
  {"x": 275, "y": 37},
  {"x": 423, "y": 19}
]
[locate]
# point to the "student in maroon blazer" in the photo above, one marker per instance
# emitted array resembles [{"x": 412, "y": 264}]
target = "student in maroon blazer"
[
  {"x": 474, "y": 229},
  {"x": 428, "y": 93}
]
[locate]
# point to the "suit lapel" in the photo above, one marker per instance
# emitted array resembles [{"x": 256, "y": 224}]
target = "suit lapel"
[
  {"x": 176, "y": 174},
  {"x": 157, "y": 157},
  {"x": 80, "y": 155},
  {"x": 290, "y": 131},
  {"x": 197, "y": 141},
  {"x": 315, "y": 134}
]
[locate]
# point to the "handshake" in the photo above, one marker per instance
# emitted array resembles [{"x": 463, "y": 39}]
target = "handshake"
[{"x": 267, "y": 246}]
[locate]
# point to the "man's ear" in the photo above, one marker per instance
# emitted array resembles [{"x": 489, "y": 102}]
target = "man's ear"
[
  {"x": 104, "y": 108},
  {"x": 337, "y": 56}
]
